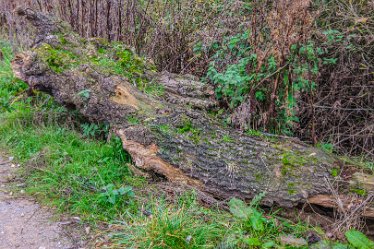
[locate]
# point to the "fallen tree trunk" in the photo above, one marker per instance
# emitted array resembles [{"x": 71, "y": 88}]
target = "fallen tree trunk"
[{"x": 170, "y": 131}]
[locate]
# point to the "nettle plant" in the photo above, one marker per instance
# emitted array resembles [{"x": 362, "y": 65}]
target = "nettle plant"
[
  {"x": 248, "y": 82},
  {"x": 260, "y": 74}
]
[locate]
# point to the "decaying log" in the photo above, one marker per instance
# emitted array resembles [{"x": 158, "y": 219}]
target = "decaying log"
[
  {"x": 362, "y": 181},
  {"x": 331, "y": 201},
  {"x": 174, "y": 136}
]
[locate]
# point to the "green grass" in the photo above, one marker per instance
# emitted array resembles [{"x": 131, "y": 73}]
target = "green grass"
[
  {"x": 62, "y": 167},
  {"x": 69, "y": 172},
  {"x": 65, "y": 166},
  {"x": 183, "y": 224}
]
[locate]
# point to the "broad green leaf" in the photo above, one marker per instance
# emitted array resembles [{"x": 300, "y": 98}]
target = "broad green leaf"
[
  {"x": 359, "y": 240},
  {"x": 340, "y": 246},
  {"x": 253, "y": 242},
  {"x": 268, "y": 244}
]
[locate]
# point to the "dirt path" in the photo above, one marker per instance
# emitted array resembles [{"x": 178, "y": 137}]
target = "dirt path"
[{"x": 24, "y": 224}]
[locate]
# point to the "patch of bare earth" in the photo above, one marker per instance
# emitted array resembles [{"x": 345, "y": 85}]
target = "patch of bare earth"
[{"x": 24, "y": 224}]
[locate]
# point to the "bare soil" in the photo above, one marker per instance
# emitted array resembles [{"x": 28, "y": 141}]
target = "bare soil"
[{"x": 24, "y": 224}]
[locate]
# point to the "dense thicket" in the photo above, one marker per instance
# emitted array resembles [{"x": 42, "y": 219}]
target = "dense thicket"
[{"x": 293, "y": 67}]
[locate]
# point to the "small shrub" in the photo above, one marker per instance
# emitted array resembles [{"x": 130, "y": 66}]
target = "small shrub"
[{"x": 259, "y": 74}]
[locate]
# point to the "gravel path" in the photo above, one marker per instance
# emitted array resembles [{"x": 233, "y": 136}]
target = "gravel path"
[{"x": 23, "y": 223}]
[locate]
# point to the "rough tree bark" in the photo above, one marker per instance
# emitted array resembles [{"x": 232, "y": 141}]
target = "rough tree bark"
[{"x": 174, "y": 135}]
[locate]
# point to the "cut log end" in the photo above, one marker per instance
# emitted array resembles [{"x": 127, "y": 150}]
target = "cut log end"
[{"x": 345, "y": 204}]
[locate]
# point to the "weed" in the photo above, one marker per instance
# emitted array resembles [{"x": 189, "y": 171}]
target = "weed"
[
  {"x": 62, "y": 168},
  {"x": 152, "y": 88},
  {"x": 117, "y": 59},
  {"x": 359, "y": 191},
  {"x": 254, "y": 230},
  {"x": 92, "y": 130},
  {"x": 112, "y": 195},
  {"x": 247, "y": 75},
  {"x": 186, "y": 126}
]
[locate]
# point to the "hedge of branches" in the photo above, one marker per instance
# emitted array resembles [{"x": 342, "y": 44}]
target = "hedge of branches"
[
  {"x": 341, "y": 110},
  {"x": 302, "y": 67}
]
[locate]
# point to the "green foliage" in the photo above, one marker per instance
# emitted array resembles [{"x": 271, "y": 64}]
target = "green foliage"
[
  {"x": 152, "y": 88},
  {"x": 58, "y": 59},
  {"x": 335, "y": 172},
  {"x": 327, "y": 147},
  {"x": 11, "y": 87},
  {"x": 163, "y": 128},
  {"x": 253, "y": 219},
  {"x": 112, "y": 195},
  {"x": 359, "y": 240},
  {"x": 92, "y": 130},
  {"x": 239, "y": 75},
  {"x": 64, "y": 170},
  {"x": 117, "y": 59},
  {"x": 186, "y": 126},
  {"x": 61, "y": 167},
  {"x": 72, "y": 174},
  {"x": 254, "y": 230},
  {"x": 359, "y": 191},
  {"x": 112, "y": 59}
]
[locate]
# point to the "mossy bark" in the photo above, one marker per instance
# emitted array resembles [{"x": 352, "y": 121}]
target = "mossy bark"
[{"x": 173, "y": 135}]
